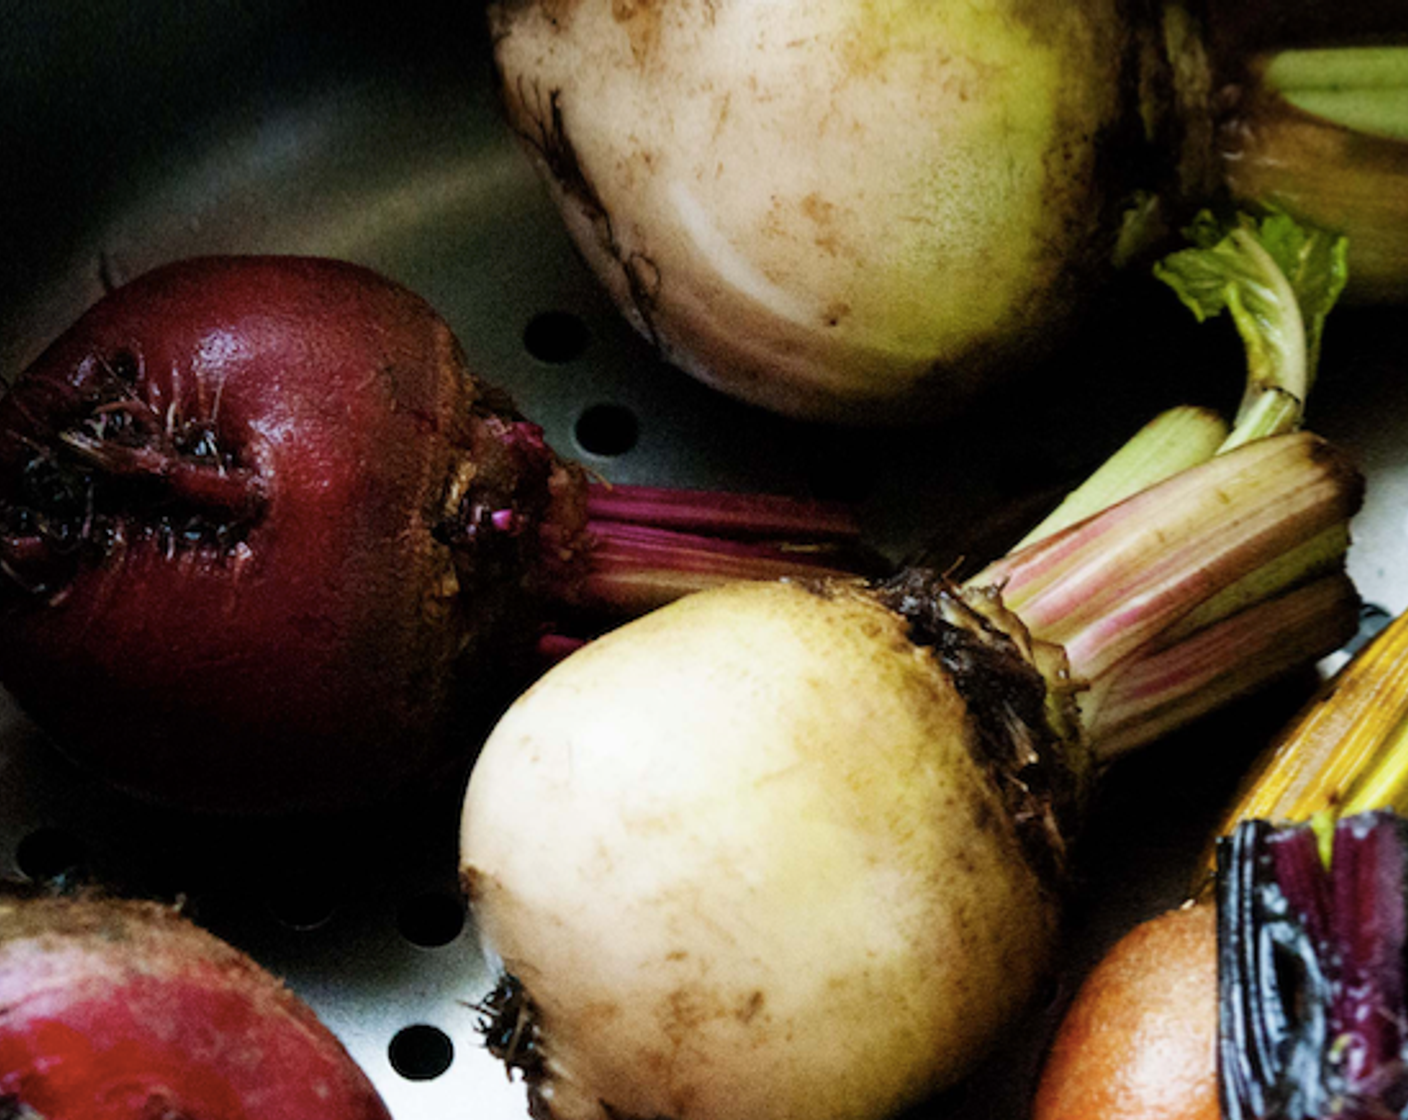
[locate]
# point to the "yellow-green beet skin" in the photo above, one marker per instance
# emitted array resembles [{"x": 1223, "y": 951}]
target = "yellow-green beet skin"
[{"x": 830, "y": 207}]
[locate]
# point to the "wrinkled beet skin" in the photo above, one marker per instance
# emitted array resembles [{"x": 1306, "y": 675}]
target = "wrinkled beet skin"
[
  {"x": 115, "y": 1010},
  {"x": 316, "y": 661}
]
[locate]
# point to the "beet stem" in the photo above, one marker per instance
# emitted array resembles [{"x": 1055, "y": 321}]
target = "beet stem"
[
  {"x": 723, "y": 513},
  {"x": 1312, "y": 1019},
  {"x": 650, "y": 545}
]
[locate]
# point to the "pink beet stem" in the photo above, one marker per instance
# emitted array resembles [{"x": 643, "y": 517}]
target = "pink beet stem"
[
  {"x": 650, "y": 545},
  {"x": 714, "y": 511},
  {"x": 634, "y": 568}
]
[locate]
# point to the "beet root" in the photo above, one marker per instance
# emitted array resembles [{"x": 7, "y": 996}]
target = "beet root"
[
  {"x": 111, "y": 1010},
  {"x": 1140, "y": 1040},
  {"x": 262, "y": 530}
]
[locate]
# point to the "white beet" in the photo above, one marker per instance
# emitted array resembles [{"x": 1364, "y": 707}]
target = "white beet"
[
  {"x": 782, "y": 851},
  {"x": 798, "y": 909},
  {"x": 826, "y": 206}
]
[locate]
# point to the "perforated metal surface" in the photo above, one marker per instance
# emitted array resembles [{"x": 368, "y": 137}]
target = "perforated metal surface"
[{"x": 142, "y": 132}]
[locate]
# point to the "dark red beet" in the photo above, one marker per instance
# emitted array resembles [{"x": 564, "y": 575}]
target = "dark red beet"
[
  {"x": 262, "y": 531},
  {"x": 116, "y": 1010}
]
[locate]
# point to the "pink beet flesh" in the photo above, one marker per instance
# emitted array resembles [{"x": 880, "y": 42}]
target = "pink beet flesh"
[
  {"x": 114, "y": 1010},
  {"x": 261, "y": 530}
]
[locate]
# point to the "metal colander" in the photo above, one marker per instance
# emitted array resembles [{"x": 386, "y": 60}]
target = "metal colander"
[{"x": 139, "y": 132}]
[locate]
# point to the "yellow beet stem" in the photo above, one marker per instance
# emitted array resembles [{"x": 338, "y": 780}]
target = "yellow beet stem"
[
  {"x": 1386, "y": 784},
  {"x": 1348, "y": 750}
]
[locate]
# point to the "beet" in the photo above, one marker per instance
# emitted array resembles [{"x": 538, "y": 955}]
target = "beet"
[
  {"x": 264, "y": 536},
  {"x": 114, "y": 1009},
  {"x": 1139, "y": 1041},
  {"x": 1280, "y": 995}
]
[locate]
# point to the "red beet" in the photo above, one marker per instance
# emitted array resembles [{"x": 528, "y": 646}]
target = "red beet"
[
  {"x": 112, "y": 1010},
  {"x": 264, "y": 533}
]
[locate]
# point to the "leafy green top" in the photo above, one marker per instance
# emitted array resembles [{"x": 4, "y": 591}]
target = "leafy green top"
[{"x": 1278, "y": 279}]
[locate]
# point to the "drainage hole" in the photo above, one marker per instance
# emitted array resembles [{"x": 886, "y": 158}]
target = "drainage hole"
[
  {"x": 50, "y": 855},
  {"x": 421, "y": 1052},
  {"x": 430, "y": 920},
  {"x": 556, "y": 337},
  {"x": 607, "y": 429}
]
